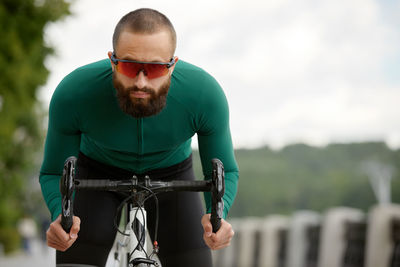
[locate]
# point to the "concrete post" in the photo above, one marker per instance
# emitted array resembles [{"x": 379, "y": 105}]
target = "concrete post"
[
  {"x": 333, "y": 242},
  {"x": 273, "y": 241},
  {"x": 380, "y": 235},
  {"x": 299, "y": 245},
  {"x": 247, "y": 247},
  {"x": 228, "y": 257}
]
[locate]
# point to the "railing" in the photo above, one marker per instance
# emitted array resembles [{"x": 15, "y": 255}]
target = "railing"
[{"x": 339, "y": 237}]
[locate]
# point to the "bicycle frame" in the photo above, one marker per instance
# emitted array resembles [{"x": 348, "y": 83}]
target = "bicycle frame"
[
  {"x": 135, "y": 241},
  {"x": 139, "y": 191},
  {"x": 135, "y": 236}
]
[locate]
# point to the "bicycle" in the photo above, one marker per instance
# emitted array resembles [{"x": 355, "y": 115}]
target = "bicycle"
[{"x": 133, "y": 240}]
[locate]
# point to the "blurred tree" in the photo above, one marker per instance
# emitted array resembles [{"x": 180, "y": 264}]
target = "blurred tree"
[
  {"x": 304, "y": 177},
  {"x": 22, "y": 54}
]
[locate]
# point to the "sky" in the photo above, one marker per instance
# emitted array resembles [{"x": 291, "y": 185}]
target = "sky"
[{"x": 293, "y": 71}]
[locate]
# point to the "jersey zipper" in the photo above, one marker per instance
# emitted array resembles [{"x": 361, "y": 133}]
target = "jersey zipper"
[{"x": 140, "y": 139}]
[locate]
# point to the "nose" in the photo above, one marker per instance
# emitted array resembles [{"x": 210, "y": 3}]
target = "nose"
[{"x": 141, "y": 79}]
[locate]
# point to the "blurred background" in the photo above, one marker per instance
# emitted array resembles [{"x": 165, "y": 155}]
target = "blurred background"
[{"x": 313, "y": 89}]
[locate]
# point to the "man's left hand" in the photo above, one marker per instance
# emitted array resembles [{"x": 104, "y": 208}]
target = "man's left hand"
[{"x": 220, "y": 239}]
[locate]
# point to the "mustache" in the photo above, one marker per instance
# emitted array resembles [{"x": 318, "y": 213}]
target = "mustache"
[
  {"x": 127, "y": 90},
  {"x": 135, "y": 89}
]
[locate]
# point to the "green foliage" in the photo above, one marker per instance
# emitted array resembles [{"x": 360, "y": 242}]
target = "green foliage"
[
  {"x": 304, "y": 177},
  {"x": 9, "y": 235},
  {"x": 22, "y": 55}
]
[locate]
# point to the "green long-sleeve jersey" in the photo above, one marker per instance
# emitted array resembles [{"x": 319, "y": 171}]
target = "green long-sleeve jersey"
[{"x": 84, "y": 115}]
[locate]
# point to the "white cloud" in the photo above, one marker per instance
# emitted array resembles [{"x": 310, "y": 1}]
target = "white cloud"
[{"x": 292, "y": 70}]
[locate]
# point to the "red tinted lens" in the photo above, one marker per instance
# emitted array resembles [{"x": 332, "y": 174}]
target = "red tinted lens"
[
  {"x": 152, "y": 71},
  {"x": 155, "y": 70},
  {"x": 129, "y": 69}
]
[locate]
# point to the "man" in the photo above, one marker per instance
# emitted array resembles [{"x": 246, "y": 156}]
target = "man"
[{"x": 135, "y": 114}]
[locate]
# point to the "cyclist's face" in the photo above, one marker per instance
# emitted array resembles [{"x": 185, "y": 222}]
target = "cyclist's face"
[
  {"x": 141, "y": 107},
  {"x": 140, "y": 90},
  {"x": 156, "y": 47}
]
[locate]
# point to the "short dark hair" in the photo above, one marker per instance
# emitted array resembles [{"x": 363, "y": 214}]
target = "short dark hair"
[{"x": 144, "y": 20}]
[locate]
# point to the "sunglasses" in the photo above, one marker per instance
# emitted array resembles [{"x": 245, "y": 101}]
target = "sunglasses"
[{"x": 132, "y": 68}]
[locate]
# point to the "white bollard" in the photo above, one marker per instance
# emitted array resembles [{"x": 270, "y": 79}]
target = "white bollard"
[
  {"x": 380, "y": 244},
  {"x": 228, "y": 257},
  {"x": 272, "y": 241},
  {"x": 247, "y": 241},
  {"x": 299, "y": 243},
  {"x": 332, "y": 238}
]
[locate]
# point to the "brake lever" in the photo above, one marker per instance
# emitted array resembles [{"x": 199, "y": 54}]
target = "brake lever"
[
  {"x": 67, "y": 188},
  {"x": 217, "y": 192}
]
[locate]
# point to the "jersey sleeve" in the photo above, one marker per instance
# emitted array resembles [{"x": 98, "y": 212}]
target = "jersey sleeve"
[
  {"x": 215, "y": 141},
  {"x": 62, "y": 141}
]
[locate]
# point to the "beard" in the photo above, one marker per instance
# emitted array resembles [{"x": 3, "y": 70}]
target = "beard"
[{"x": 141, "y": 107}]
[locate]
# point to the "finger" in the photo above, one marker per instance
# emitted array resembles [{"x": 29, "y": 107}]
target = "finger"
[
  {"x": 221, "y": 246},
  {"x": 224, "y": 234},
  {"x": 54, "y": 244},
  {"x": 213, "y": 241},
  {"x": 57, "y": 229},
  {"x": 218, "y": 245},
  {"x": 57, "y": 246},
  {"x": 52, "y": 234},
  {"x": 205, "y": 221},
  {"x": 209, "y": 243},
  {"x": 222, "y": 237},
  {"x": 73, "y": 233},
  {"x": 208, "y": 239},
  {"x": 62, "y": 246},
  {"x": 70, "y": 243},
  {"x": 53, "y": 240}
]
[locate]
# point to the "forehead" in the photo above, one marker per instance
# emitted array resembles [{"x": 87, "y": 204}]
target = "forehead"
[{"x": 144, "y": 46}]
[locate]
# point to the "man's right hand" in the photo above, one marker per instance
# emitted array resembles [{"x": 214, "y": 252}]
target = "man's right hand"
[{"x": 56, "y": 236}]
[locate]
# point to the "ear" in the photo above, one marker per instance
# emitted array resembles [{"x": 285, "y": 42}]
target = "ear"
[
  {"x": 173, "y": 67},
  {"x": 112, "y": 64}
]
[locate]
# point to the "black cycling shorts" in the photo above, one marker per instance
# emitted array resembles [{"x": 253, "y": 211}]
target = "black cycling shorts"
[{"x": 180, "y": 233}]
